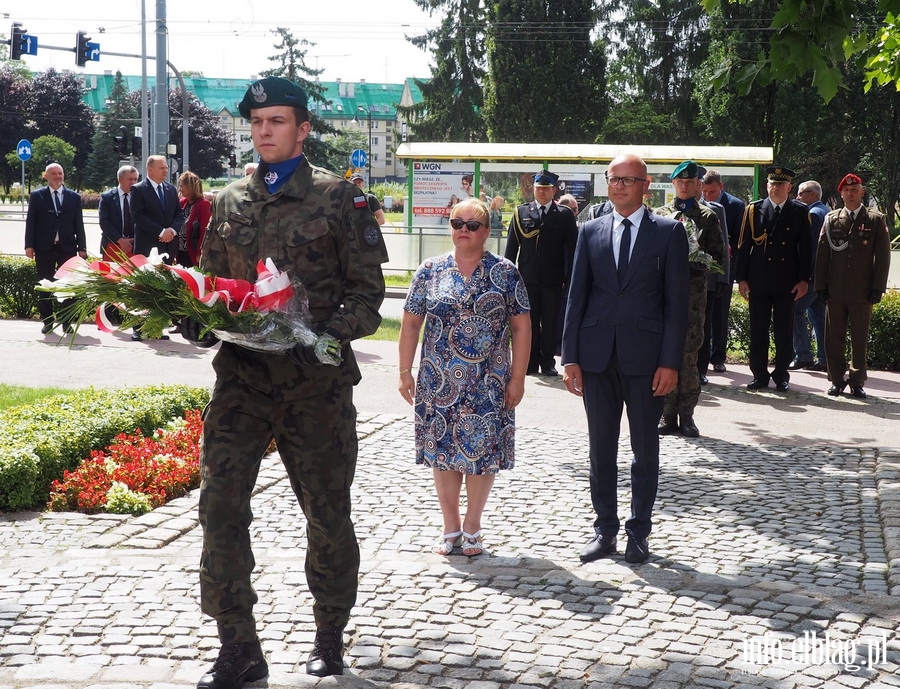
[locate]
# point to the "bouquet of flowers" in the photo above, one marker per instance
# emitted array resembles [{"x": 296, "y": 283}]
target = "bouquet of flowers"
[
  {"x": 270, "y": 315},
  {"x": 697, "y": 257}
]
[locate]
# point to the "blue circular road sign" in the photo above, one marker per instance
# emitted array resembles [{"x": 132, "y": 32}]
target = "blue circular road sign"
[
  {"x": 23, "y": 150},
  {"x": 358, "y": 158}
]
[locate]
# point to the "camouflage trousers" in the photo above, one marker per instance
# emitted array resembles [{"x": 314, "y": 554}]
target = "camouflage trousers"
[
  {"x": 683, "y": 399},
  {"x": 316, "y": 438}
]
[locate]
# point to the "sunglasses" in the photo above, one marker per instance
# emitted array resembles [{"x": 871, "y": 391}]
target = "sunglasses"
[{"x": 470, "y": 225}]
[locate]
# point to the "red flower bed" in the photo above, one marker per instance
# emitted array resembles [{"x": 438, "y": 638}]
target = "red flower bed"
[{"x": 134, "y": 474}]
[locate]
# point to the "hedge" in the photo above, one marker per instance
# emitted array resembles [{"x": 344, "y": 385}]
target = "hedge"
[
  {"x": 18, "y": 278},
  {"x": 40, "y": 441}
]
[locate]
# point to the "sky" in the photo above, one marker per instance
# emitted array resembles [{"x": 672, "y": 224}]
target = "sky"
[{"x": 354, "y": 39}]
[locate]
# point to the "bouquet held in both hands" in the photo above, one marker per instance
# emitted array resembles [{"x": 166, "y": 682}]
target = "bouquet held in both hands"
[{"x": 270, "y": 315}]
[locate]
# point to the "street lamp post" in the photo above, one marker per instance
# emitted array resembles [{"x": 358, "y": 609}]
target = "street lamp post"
[{"x": 369, "y": 157}]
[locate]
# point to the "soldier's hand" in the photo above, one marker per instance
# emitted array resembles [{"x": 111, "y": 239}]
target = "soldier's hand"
[
  {"x": 191, "y": 329},
  {"x": 875, "y": 296},
  {"x": 823, "y": 295},
  {"x": 304, "y": 355}
]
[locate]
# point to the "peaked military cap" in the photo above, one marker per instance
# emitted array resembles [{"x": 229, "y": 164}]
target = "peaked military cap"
[
  {"x": 545, "y": 178},
  {"x": 269, "y": 92},
  {"x": 776, "y": 173},
  {"x": 685, "y": 170},
  {"x": 849, "y": 179},
  {"x": 701, "y": 171}
]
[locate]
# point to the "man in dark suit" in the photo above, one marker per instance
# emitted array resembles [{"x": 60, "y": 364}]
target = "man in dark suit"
[
  {"x": 117, "y": 218},
  {"x": 156, "y": 211},
  {"x": 54, "y": 233},
  {"x": 717, "y": 340},
  {"x": 541, "y": 240},
  {"x": 623, "y": 343},
  {"x": 157, "y": 216},
  {"x": 774, "y": 261}
]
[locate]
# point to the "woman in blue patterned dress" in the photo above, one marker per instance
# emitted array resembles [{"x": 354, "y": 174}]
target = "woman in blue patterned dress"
[{"x": 472, "y": 304}]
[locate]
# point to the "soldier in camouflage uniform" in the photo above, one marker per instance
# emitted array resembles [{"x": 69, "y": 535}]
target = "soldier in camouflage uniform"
[
  {"x": 319, "y": 229},
  {"x": 678, "y": 410}
]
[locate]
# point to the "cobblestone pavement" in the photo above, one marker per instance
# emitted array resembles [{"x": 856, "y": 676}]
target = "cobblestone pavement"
[{"x": 754, "y": 546}]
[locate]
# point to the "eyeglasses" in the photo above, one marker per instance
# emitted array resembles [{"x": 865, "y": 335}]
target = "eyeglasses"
[
  {"x": 470, "y": 225},
  {"x": 624, "y": 181}
]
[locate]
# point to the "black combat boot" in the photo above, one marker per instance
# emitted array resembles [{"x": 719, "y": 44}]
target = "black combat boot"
[
  {"x": 688, "y": 427},
  {"x": 326, "y": 658},
  {"x": 236, "y": 664},
  {"x": 669, "y": 426}
]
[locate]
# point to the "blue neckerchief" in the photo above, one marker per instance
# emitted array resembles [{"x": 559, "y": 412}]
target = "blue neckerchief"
[
  {"x": 685, "y": 204},
  {"x": 278, "y": 174}
]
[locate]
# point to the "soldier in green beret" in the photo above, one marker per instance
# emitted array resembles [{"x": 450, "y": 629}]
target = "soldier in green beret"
[
  {"x": 704, "y": 235},
  {"x": 318, "y": 227}
]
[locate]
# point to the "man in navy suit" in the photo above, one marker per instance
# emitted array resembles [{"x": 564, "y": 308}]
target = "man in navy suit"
[
  {"x": 157, "y": 216},
  {"x": 623, "y": 343},
  {"x": 117, "y": 217},
  {"x": 156, "y": 210},
  {"x": 54, "y": 233}
]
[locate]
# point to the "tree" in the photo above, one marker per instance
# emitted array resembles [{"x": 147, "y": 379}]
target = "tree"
[
  {"x": 103, "y": 161},
  {"x": 452, "y": 99},
  {"x": 55, "y": 107},
  {"x": 816, "y": 38},
  {"x": 342, "y": 146},
  {"x": 292, "y": 65},
  {"x": 13, "y": 91},
  {"x": 45, "y": 150},
  {"x": 210, "y": 144},
  {"x": 549, "y": 87}
]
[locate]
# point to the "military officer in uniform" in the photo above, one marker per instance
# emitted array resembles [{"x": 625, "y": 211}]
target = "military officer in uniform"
[
  {"x": 852, "y": 262},
  {"x": 318, "y": 227},
  {"x": 774, "y": 261},
  {"x": 704, "y": 234},
  {"x": 541, "y": 241}
]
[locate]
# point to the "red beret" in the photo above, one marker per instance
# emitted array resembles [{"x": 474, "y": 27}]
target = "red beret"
[{"x": 849, "y": 179}]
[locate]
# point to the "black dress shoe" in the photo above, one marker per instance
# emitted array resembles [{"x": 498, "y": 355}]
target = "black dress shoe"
[
  {"x": 796, "y": 364},
  {"x": 783, "y": 386},
  {"x": 236, "y": 664},
  {"x": 70, "y": 329},
  {"x": 688, "y": 427},
  {"x": 47, "y": 329},
  {"x": 837, "y": 388},
  {"x": 597, "y": 548},
  {"x": 164, "y": 337},
  {"x": 816, "y": 366},
  {"x": 757, "y": 384},
  {"x": 550, "y": 371},
  {"x": 719, "y": 368},
  {"x": 703, "y": 379},
  {"x": 326, "y": 658},
  {"x": 669, "y": 425},
  {"x": 136, "y": 337},
  {"x": 637, "y": 550},
  {"x": 531, "y": 371},
  {"x": 857, "y": 391}
]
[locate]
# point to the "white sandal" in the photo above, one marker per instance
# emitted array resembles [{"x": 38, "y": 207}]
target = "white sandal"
[
  {"x": 472, "y": 544},
  {"x": 447, "y": 543}
]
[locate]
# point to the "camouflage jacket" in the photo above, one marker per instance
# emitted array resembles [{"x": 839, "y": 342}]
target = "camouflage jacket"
[
  {"x": 706, "y": 243},
  {"x": 318, "y": 228}
]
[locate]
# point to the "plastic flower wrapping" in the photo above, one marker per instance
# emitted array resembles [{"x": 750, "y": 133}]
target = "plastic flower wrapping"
[
  {"x": 269, "y": 315},
  {"x": 697, "y": 257}
]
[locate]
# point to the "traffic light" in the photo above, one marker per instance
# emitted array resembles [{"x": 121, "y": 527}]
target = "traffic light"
[
  {"x": 136, "y": 144},
  {"x": 17, "y": 41},
  {"x": 82, "y": 53},
  {"x": 232, "y": 161},
  {"x": 122, "y": 141}
]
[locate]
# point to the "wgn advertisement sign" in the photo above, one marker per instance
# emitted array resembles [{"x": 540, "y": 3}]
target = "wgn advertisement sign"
[{"x": 437, "y": 187}]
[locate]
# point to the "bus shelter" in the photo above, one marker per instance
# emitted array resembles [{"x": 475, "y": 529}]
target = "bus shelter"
[{"x": 440, "y": 174}]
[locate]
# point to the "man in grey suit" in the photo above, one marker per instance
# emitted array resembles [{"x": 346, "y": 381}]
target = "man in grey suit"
[
  {"x": 623, "y": 343},
  {"x": 117, "y": 218},
  {"x": 54, "y": 233}
]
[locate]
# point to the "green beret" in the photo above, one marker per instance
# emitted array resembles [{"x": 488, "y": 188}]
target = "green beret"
[
  {"x": 685, "y": 170},
  {"x": 271, "y": 91}
]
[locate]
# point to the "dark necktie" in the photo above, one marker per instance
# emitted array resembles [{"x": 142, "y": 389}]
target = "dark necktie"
[
  {"x": 127, "y": 227},
  {"x": 162, "y": 197},
  {"x": 775, "y": 216},
  {"x": 56, "y": 201},
  {"x": 543, "y": 214},
  {"x": 624, "y": 249}
]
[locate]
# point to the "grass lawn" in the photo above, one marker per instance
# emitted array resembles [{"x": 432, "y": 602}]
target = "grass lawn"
[
  {"x": 16, "y": 395},
  {"x": 388, "y": 330}
]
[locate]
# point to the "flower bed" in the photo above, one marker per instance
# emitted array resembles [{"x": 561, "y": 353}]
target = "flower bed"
[{"x": 135, "y": 474}]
